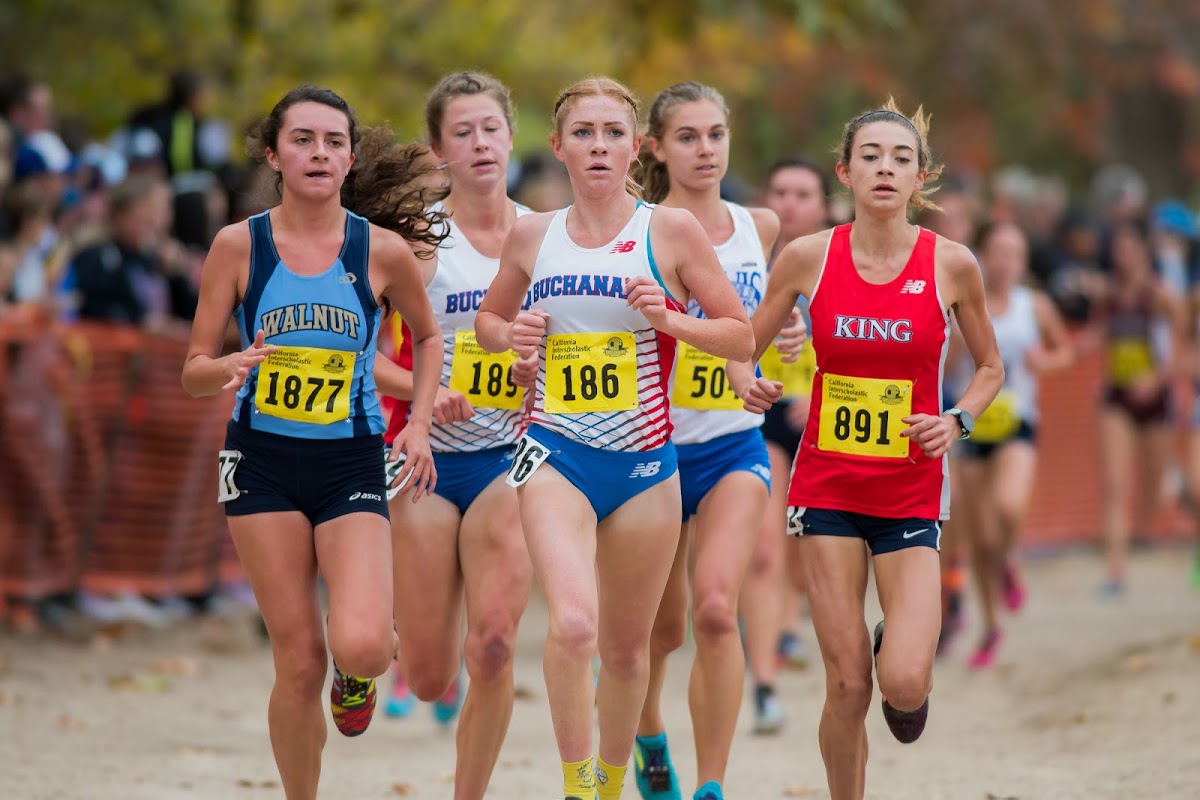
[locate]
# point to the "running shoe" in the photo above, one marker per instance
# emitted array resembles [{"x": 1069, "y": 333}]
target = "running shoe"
[
  {"x": 401, "y": 701},
  {"x": 952, "y": 620},
  {"x": 793, "y": 651},
  {"x": 985, "y": 654},
  {"x": 769, "y": 717},
  {"x": 352, "y": 701},
  {"x": 446, "y": 707},
  {"x": 906, "y": 726},
  {"x": 709, "y": 791},
  {"x": 653, "y": 770},
  {"x": 1013, "y": 588}
]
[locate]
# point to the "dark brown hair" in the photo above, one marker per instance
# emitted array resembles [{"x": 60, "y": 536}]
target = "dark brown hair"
[{"x": 386, "y": 184}]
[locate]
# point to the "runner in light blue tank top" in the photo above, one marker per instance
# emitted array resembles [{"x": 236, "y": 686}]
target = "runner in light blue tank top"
[{"x": 301, "y": 476}]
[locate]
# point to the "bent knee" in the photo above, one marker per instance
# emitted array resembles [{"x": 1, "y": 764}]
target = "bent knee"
[
  {"x": 489, "y": 653},
  {"x": 574, "y": 630},
  {"x": 907, "y": 690},
  {"x": 625, "y": 660},
  {"x": 363, "y": 653},
  {"x": 300, "y": 670},
  {"x": 714, "y": 616},
  {"x": 669, "y": 631}
]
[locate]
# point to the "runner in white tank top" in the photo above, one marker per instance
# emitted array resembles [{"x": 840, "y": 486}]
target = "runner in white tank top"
[
  {"x": 598, "y": 491},
  {"x": 999, "y": 460},
  {"x": 465, "y": 543},
  {"x": 724, "y": 470}
]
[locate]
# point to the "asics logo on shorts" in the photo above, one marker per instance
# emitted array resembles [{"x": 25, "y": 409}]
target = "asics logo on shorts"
[
  {"x": 762, "y": 471},
  {"x": 646, "y": 469},
  {"x": 365, "y": 496}
]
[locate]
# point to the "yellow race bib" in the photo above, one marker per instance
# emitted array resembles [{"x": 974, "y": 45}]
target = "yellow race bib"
[
  {"x": 797, "y": 377},
  {"x": 999, "y": 422},
  {"x": 862, "y": 416},
  {"x": 590, "y": 372},
  {"x": 306, "y": 384},
  {"x": 1128, "y": 360},
  {"x": 484, "y": 378},
  {"x": 701, "y": 383}
]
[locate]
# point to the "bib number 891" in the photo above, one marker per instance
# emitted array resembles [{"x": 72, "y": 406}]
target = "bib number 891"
[{"x": 862, "y": 425}]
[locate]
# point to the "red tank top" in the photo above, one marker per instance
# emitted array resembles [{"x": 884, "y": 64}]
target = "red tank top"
[
  {"x": 397, "y": 410},
  {"x": 879, "y": 351}
]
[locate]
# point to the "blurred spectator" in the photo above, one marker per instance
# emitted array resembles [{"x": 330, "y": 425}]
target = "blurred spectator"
[
  {"x": 1173, "y": 243},
  {"x": 187, "y": 140},
  {"x": 33, "y": 257},
  {"x": 7, "y": 154},
  {"x": 541, "y": 183},
  {"x": 28, "y": 106},
  {"x": 141, "y": 276},
  {"x": 1071, "y": 272},
  {"x": 1119, "y": 196}
]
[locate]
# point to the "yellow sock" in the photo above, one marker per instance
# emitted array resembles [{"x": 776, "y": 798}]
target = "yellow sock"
[
  {"x": 579, "y": 780},
  {"x": 609, "y": 779}
]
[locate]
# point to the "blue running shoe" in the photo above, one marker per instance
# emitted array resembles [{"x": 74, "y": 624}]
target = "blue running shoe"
[
  {"x": 401, "y": 701},
  {"x": 653, "y": 769},
  {"x": 446, "y": 707}
]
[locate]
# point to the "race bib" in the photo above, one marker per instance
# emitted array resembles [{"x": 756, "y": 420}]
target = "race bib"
[
  {"x": 797, "y": 377},
  {"x": 1128, "y": 360},
  {"x": 484, "y": 378},
  {"x": 392, "y": 470},
  {"x": 529, "y": 456},
  {"x": 306, "y": 384},
  {"x": 590, "y": 372},
  {"x": 862, "y": 416},
  {"x": 227, "y": 461},
  {"x": 701, "y": 383},
  {"x": 999, "y": 422}
]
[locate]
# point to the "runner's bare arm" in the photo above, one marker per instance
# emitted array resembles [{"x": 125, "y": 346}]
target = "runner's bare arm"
[
  {"x": 500, "y": 324},
  {"x": 205, "y": 371},
  {"x": 690, "y": 269}
]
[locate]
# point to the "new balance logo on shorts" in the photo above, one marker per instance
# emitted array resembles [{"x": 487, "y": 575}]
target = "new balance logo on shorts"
[
  {"x": 912, "y": 287},
  {"x": 623, "y": 247},
  {"x": 645, "y": 470},
  {"x": 365, "y": 496}
]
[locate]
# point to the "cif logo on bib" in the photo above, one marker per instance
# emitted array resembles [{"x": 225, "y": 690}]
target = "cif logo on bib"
[
  {"x": 892, "y": 395},
  {"x": 615, "y": 349},
  {"x": 336, "y": 364}
]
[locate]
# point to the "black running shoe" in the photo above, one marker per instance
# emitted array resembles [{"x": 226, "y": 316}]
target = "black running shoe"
[{"x": 906, "y": 726}]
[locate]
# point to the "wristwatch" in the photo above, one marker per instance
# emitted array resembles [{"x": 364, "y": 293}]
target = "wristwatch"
[{"x": 965, "y": 421}]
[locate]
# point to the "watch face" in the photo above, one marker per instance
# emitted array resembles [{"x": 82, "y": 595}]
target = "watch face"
[{"x": 966, "y": 420}]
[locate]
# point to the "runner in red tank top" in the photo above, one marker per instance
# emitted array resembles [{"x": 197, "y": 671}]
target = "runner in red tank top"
[{"x": 872, "y": 463}]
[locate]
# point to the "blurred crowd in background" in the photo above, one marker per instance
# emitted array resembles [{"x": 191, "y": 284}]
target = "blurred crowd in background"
[{"x": 115, "y": 229}]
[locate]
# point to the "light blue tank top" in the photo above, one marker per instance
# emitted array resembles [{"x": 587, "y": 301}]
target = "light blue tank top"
[{"x": 321, "y": 383}]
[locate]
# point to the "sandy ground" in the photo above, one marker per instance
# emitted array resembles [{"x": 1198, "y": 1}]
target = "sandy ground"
[{"x": 1089, "y": 699}]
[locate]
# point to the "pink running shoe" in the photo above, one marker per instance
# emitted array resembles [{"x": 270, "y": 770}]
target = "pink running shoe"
[
  {"x": 1013, "y": 588},
  {"x": 985, "y": 655}
]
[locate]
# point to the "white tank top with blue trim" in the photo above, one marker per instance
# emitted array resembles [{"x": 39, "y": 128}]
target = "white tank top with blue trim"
[
  {"x": 703, "y": 406},
  {"x": 602, "y": 379}
]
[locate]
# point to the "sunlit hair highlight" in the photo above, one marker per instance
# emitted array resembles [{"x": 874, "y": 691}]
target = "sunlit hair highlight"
[{"x": 918, "y": 124}]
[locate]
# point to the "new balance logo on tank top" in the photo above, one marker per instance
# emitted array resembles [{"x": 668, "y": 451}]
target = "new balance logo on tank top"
[
  {"x": 880, "y": 351},
  {"x": 603, "y": 373},
  {"x": 485, "y": 379},
  {"x": 703, "y": 406},
  {"x": 320, "y": 384}
]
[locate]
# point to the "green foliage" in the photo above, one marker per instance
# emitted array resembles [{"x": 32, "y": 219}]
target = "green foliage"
[{"x": 1007, "y": 80}]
